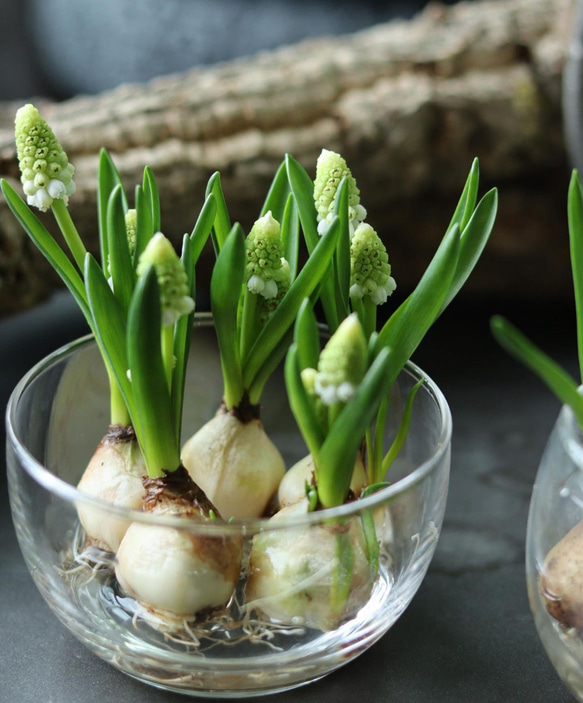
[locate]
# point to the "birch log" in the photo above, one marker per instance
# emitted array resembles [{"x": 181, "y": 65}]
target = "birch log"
[{"x": 408, "y": 103}]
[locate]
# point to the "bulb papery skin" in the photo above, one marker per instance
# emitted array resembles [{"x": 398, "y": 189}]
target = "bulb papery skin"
[
  {"x": 114, "y": 474},
  {"x": 561, "y": 579},
  {"x": 292, "y": 572},
  {"x": 292, "y": 488},
  {"x": 176, "y": 573},
  {"x": 236, "y": 465}
]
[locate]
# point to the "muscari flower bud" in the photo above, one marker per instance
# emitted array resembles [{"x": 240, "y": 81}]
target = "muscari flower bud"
[
  {"x": 331, "y": 168},
  {"x": 172, "y": 278},
  {"x": 131, "y": 228},
  {"x": 309, "y": 379},
  {"x": 46, "y": 173},
  {"x": 265, "y": 274},
  {"x": 370, "y": 271},
  {"x": 342, "y": 363}
]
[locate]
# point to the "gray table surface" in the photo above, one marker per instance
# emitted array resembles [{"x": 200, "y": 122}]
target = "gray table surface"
[{"x": 468, "y": 634}]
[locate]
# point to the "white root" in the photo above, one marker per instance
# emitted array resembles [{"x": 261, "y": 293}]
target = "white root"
[{"x": 236, "y": 465}]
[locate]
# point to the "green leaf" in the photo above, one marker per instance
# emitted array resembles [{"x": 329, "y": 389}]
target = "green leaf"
[
  {"x": 153, "y": 196},
  {"x": 472, "y": 242},
  {"x": 277, "y": 195},
  {"x": 342, "y": 261},
  {"x": 290, "y": 236},
  {"x": 402, "y": 432},
  {"x": 342, "y": 573},
  {"x": 48, "y": 247},
  {"x": 144, "y": 223},
  {"x": 107, "y": 179},
  {"x": 307, "y": 337},
  {"x": 284, "y": 315},
  {"x": 467, "y": 199},
  {"x": 557, "y": 379},
  {"x": 575, "y": 214},
  {"x": 261, "y": 378},
  {"x": 120, "y": 261},
  {"x": 335, "y": 464},
  {"x": 369, "y": 528},
  {"x": 407, "y": 326},
  {"x": 226, "y": 283},
  {"x": 155, "y": 429},
  {"x": 182, "y": 338},
  {"x": 110, "y": 328},
  {"x": 302, "y": 188},
  {"x": 222, "y": 222},
  {"x": 302, "y": 405},
  {"x": 203, "y": 227},
  {"x": 256, "y": 388}
]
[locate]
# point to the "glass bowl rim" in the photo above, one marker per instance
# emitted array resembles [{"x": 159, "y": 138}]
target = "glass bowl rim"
[{"x": 66, "y": 491}]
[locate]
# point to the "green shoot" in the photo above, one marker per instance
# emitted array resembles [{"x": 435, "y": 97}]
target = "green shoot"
[
  {"x": 107, "y": 179},
  {"x": 575, "y": 215},
  {"x": 152, "y": 404},
  {"x": 561, "y": 383},
  {"x": 226, "y": 283},
  {"x": 222, "y": 221}
]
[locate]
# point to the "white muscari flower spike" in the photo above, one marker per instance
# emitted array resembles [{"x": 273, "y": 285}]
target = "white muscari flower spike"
[
  {"x": 171, "y": 276},
  {"x": 266, "y": 273},
  {"x": 342, "y": 363},
  {"x": 46, "y": 173},
  {"x": 370, "y": 271},
  {"x": 331, "y": 168}
]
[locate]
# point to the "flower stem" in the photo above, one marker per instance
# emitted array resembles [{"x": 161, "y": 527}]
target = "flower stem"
[
  {"x": 370, "y": 316},
  {"x": 67, "y": 227},
  {"x": 358, "y": 307},
  {"x": 168, "y": 352},
  {"x": 378, "y": 470},
  {"x": 118, "y": 412},
  {"x": 249, "y": 326}
]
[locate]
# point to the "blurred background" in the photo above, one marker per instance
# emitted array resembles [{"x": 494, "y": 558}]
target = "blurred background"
[{"x": 60, "y": 48}]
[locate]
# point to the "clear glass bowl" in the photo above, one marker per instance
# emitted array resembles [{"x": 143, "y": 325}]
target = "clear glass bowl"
[
  {"x": 55, "y": 419},
  {"x": 554, "y": 551}
]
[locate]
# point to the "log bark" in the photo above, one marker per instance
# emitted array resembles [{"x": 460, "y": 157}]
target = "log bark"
[{"x": 408, "y": 103}]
